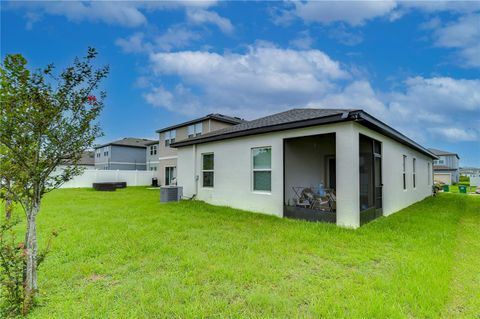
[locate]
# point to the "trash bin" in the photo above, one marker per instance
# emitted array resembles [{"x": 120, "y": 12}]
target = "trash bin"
[
  {"x": 446, "y": 188},
  {"x": 154, "y": 182},
  {"x": 462, "y": 189}
]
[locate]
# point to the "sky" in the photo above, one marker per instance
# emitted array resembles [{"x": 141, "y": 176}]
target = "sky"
[{"x": 413, "y": 65}]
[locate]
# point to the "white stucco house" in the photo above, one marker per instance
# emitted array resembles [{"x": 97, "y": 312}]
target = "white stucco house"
[{"x": 334, "y": 165}]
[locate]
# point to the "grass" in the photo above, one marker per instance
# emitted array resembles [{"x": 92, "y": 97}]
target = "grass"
[
  {"x": 124, "y": 255},
  {"x": 454, "y": 188}
]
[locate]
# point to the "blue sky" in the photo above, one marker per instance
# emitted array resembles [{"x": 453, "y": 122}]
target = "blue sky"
[{"x": 414, "y": 65}]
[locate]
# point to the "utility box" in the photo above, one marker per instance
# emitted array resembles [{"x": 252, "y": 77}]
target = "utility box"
[{"x": 170, "y": 194}]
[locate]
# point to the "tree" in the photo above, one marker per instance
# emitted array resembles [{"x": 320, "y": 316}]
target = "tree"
[{"x": 45, "y": 120}]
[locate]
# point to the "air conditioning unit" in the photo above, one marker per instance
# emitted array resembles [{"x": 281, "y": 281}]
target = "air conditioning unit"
[{"x": 170, "y": 193}]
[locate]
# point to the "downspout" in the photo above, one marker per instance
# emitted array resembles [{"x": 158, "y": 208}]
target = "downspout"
[{"x": 195, "y": 176}]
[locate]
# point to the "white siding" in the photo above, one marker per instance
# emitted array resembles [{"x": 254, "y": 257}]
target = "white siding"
[{"x": 233, "y": 177}]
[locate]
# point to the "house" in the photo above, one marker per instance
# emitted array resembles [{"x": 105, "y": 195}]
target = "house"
[
  {"x": 167, "y": 156},
  {"x": 152, "y": 155},
  {"x": 125, "y": 154},
  {"x": 291, "y": 163},
  {"x": 87, "y": 160},
  {"x": 469, "y": 171},
  {"x": 446, "y": 168}
]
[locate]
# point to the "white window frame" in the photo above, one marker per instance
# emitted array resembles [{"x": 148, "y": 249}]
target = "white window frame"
[
  {"x": 195, "y": 130},
  {"x": 429, "y": 169},
  {"x": 153, "y": 150},
  {"x": 404, "y": 172},
  {"x": 169, "y": 137},
  {"x": 260, "y": 170},
  {"x": 208, "y": 171}
]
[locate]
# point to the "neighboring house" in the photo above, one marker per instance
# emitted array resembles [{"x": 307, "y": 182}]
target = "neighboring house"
[
  {"x": 167, "y": 156},
  {"x": 152, "y": 156},
  {"x": 470, "y": 171},
  {"x": 125, "y": 154},
  {"x": 446, "y": 168},
  {"x": 87, "y": 160},
  {"x": 368, "y": 168}
]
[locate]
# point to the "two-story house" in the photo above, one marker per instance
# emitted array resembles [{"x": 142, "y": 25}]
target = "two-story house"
[
  {"x": 152, "y": 156},
  {"x": 446, "y": 167},
  {"x": 167, "y": 156},
  {"x": 125, "y": 154}
]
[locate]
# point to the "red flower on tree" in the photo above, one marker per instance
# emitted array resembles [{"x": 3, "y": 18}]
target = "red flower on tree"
[{"x": 92, "y": 99}]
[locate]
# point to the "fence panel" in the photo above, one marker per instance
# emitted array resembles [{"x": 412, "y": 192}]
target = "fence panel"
[{"x": 133, "y": 178}]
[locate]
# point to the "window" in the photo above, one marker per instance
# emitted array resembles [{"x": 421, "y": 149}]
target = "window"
[
  {"x": 170, "y": 137},
  {"x": 207, "y": 169},
  {"x": 153, "y": 168},
  {"x": 195, "y": 130},
  {"x": 413, "y": 172},
  {"x": 404, "y": 172},
  {"x": 262, "y": 169},
  {"x": 170, "y": 174},
  {"x": 153, "y": 150},
  {"x": 439, "y": 162}
]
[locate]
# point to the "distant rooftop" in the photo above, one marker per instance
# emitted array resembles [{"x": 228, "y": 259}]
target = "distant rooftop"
[
  {"x": 442, "y": 153},
  {"x": 213, "y": 116},
  {"x": 130, "y": 142}
]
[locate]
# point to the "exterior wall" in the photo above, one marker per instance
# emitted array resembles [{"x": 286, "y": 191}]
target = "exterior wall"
[
  {"x": 449, "y": 160},
  {"x": 101, "y": 161},
  {"x": 123, "y": 158},
  {"x": 161, "y": 168},
  {"x": 445, "y": 178},
  {"x": 394, "y": 196},
  {"x": 233, "y": 173},
  {"x": 152, "y": 160},
  {"x": 213, "y": 125}
]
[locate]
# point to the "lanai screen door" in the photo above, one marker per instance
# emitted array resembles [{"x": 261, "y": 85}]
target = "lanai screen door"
[{"x": 371, "y": 187}]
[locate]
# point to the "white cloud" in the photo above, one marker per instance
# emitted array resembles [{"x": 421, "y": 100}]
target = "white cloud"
[
  {"x": 134, "y": 44},
  {"x": 123, "y": 13},
  {"x": 268, "y": 79},
  {"x": 174, "y": 37},
  {"x": 201, "y": 16},
  {"x": 357, "y": 12},
  {"x": 464, "y": 35},
  {"x": 352, "y": 12},
  {"x": 303, "y": 41},
  {"x": 264, "y": 76}
]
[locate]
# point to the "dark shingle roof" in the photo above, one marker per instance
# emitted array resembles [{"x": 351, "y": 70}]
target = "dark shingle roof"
[
  {"x": 290, "y": 116},
  {"x": 297, "y": 118},
  {"x": 130, "y": 142},
  {"x": 87, "y": 159},
  {"x": 442, "y": 153},
  {"x": 216, "y": 116}
]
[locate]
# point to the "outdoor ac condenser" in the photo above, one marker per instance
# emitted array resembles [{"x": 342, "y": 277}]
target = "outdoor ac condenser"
[{"x": 170, "y": 193}]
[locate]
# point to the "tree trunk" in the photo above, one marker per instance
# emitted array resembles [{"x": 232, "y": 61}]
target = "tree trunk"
[
  {"x": 31, "y": 250},
  {"x": 8, "y": 208}
]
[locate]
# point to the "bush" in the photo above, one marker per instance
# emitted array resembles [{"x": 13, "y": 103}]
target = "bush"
[
  {"x": 464, "y": 179},
  {"x": 13, "y": 301},
  {"x": 12, "y": 261}
]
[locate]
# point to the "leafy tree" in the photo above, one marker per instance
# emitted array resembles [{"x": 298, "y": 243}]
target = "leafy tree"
[{"x": 46, "y": 120}]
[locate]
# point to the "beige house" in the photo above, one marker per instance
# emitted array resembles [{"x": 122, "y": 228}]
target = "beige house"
[
  {"x": 166, "y": 161},
  {"x": 339, "y": 166}
]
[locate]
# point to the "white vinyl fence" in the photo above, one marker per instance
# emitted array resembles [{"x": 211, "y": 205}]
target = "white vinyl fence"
[
  {"x": 475, "y": 181},
  {"x": 133, "y": 178}
]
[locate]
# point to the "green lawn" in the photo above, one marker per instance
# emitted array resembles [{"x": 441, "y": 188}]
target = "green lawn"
[{"x": 125, "y": 255}]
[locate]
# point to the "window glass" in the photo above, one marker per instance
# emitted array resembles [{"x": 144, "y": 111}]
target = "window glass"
[
  {"x": 191, "y": 130},
  {"x": 262, "y": 180},
  {"x": 208, "y": 162},
  {"x": 207, "y": 167},
  {"x": 262, "y": 158},
  {"x": 262, "y": 164}
]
